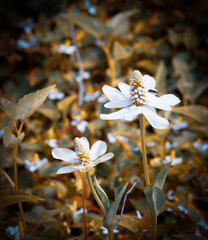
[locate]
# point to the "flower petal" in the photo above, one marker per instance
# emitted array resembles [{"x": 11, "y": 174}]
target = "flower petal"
[
  {"x": 170, "y": 99},
  {"x": 118, "y": 104},
  {"x": 149, "y": 82},
  {"x": 124, "y": 89},
  {"x": 98, "y": 148},
  {"x": 113, "y": 94},
  {"x": 115, "y": 115},
  {"x": 65, "y": 154},
  {"x": 104, "y": 158},
  {"x": 155, "y": 120},
  {"x": 85, "y": 143},
  {"x": 67, "y": 169},
  {"x": 157, "y": 102},
  {"x": 132, "y": 113}
]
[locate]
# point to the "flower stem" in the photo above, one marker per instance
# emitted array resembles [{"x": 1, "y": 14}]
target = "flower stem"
[
  {"x": 144, "y": 152},
  {"x": 84, "y": 208},
  {"x": 16, "y": 187},
  {"x": 95, "y": 193},
  {"x": 154, "y": 228},
  {"x": 15, "y": 151}
]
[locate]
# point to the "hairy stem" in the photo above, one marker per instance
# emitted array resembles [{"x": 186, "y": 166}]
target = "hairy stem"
[
  {"x": 144, "y": 152},
  {"x": 95, "y": 193}
]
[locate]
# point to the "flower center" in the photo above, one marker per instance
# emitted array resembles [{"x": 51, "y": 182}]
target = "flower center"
[
  {"x": 82, "y": 153},
  {"x": 137, "y": 89}
]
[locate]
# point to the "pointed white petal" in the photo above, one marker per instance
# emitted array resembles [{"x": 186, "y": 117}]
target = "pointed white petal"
[
  {"x": 115, "y": 115},
  {"x": 118, "y": 104},
  {"x": 132, "y": 113},
  {"x": 170, "y": 99},
  {"x": 104, "y": 158},
  {"x": 98, "y": 148},
  {"x": 157, "y": 102},
  {"x": 155, "y": 120},
  {"x": 65, "y": 154},
  {"x": 67, "y": 169},
  {"x": 85, "y": 143},
  {"x": 124, "y": 89},
  {"x": 113, "y": 94},
  {"x": 149, "y": 82}
]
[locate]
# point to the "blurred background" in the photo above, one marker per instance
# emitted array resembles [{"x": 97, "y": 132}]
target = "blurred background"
[{"x": 80, "y": 46}]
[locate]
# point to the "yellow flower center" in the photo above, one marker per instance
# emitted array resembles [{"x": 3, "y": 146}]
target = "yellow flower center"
[
  {"x": 82, "y": 153},
  {"x": 137, "y": 89}
]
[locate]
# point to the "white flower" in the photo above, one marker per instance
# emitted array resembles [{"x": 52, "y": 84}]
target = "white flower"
[
  {"x": 55, "y": 94},
  {"x": 81, "y": 125},
  {"x": 175, "y": 161},
  {"x": 52, "y": 143},
  {"x": 105, "y": 230},
  {"x": 138, "y": 98},
  {"x": 179, "y": 125},
  {"x": 83, "y": 158},
  {"x": 67, "y": 49},
  {"x": 82, "y": 76},
  {"x": 33, "y": 166}
]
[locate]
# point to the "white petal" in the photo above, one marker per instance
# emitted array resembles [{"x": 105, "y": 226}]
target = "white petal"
[
  {"x": 113, "y": 94},
  {"x": 132, "y": 113},
  {"x": 155, "y": 120},
  {"x": 149, "y": 82},
  {"x": 157, "y": 102},
  {"x": 98, "y": 148},
  {"x": 104, "y": 158},
  {"x": 65, "y": 154},
  {"x": 170, "y": 99},
  {"x": 118, "y": 104},
  {"x": 85, "y": 143},
  {"x": 115, "y": 115},
  {"x": 124, "y": 89},
  {"x": 67, "y": 169}
]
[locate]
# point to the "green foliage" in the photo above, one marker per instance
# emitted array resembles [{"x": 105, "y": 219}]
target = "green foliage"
[
  {"x": 102, "y": 195},
  {"x": 108, "y": 221},
  {"x": 12, "y": 196},
  {"x": 10, "y": 140}
]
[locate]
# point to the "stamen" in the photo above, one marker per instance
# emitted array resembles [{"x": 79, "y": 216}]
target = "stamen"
[
  {"x": 82, "y": 153},
  {"x": 137, "y": 89}
]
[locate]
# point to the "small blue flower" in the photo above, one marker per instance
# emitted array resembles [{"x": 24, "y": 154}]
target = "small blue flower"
[
  {"x": 13, "y": 231},
  {"x": 32, "y": 166}
]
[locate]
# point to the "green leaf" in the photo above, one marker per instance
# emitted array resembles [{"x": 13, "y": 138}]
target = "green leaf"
[
  {"x": 12, "y": 196},
  {"x": 90, "y": 25},
  {"x": 155, "y": 199},
  {"x": 31, "y": 102},
  {"x": 10, "y": 140},
  {"x": 9, "y": 107},
  {"x": 196, "y": 112},
  {"x": 103, "y": 196},
  {"x": 117, "y": 190},
  {"x": 108, "y": 221},
  {"x": 121, "y": 52},
  {"x": 130, "y": 222},
  {"x": 161, "y": 176},
  {"x": 6, "y": 160}
]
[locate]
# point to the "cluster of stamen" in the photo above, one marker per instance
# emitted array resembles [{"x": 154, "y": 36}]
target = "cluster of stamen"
[
  {"x": 137, "y": 89},
  {"x": 82, "y": 153}
]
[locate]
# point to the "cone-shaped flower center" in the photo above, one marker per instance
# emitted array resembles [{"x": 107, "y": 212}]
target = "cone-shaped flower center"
[
  {"x": 82, "y": 152},
  {"x": 137, "y": 89}
]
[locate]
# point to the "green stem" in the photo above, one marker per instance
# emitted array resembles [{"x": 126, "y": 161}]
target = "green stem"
[
  {"x": 95, "y": 193},
  {"x": 154, "y": 228},
  {"x": 144, "y": 152}
]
